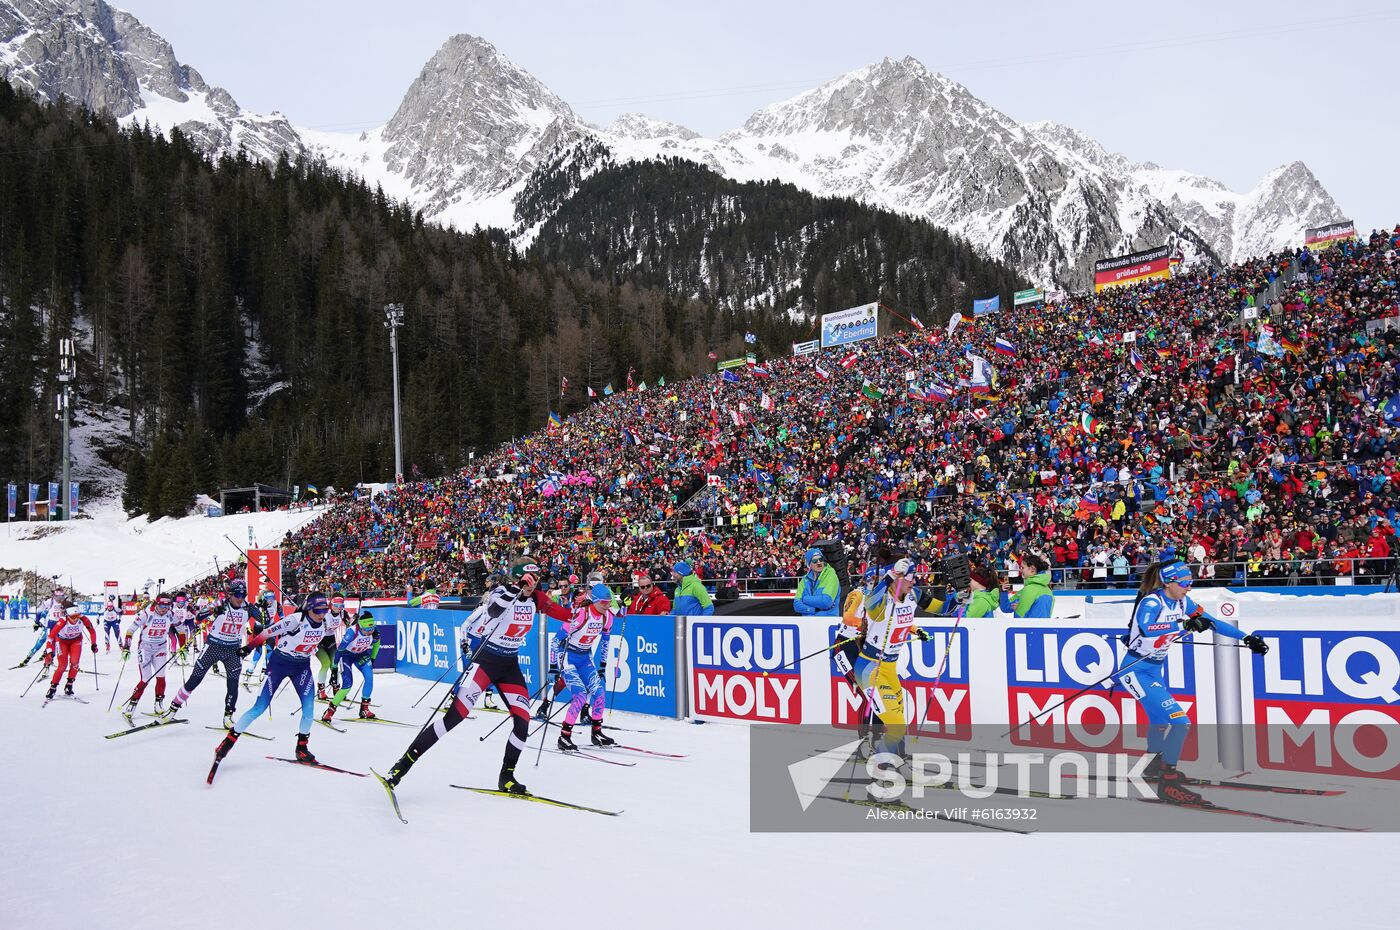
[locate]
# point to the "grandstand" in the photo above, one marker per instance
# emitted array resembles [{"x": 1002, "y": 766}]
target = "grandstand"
[{"x": 1242, "y": 417}]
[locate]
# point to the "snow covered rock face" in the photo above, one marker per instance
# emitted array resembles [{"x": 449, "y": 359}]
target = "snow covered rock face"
[
  {"x": 472, "y": 123},
  {"x": 106, "y": 59}
]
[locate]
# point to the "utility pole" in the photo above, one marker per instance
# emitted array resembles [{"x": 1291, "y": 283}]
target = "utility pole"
[
  {"x": 393, "y": 319},
  {"x": 66, "y": 371}
]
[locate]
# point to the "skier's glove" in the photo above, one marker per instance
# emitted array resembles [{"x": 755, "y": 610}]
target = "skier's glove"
[
  {"x": 554, "y": 667},
  {"x": 603, "y": 669},
  {"x": 1256, "y": 644},
  {"x": 922, "y": 634},
  {"x": 1197, "y": 623},
  {"x": 243, "y": 651},
  {"x": 126, "y": 653}
]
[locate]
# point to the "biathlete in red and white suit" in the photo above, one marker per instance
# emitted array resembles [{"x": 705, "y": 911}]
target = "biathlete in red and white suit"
[
  {"x": 66, "y": 643},
  {"x": 510, "y": 614},
  {"x": 155, "y": 643}
]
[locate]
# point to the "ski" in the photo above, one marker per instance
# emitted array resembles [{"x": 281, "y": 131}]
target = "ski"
[
  {"x": 326, "y": 723},
  {"x": 393, "y": 798},
  {"x": 145, "y": 726},
  {"x": 1013, "y": 792},
  {"x": 396, "y": 723},
  {"x": 66, "y": 697},
  {"x": 901, "y": 806},
  {"x": 585, "y": 755},
  {"x": 1252, "y": 786},
  {"x": 318, "y": 765},
  {"x": 243, "y": 734},
  {"x": 539, "y": 800},
  {"x": 650, "y": 752},
  {"x": 1257, "y": 815}
]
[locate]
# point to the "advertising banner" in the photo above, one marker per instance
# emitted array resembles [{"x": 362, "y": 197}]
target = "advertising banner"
[
  {"x": 1324, "y": 237},
  {"x": 806, "y": 348},
  {"x": 12, "y": 501},
  {"x": 986, "y": 305},
  {"x": 848, "y": 326},
  {"x": 732, "y": 363},
  {"x": 425, "y": 641},
  {"x": 270, "y": 563},
  {"x": 1032, "y": 296},
  {"x": 643, "y": 672},
  {"x": 1135, "y": 267}
]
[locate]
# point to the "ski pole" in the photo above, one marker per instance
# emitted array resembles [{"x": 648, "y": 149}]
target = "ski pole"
[
  {"x": 543, "y": 728},
  {"x": 95, "y": 679},
  {"x": 1085, "y": 690},
  {"x": 35, "y": 681},
  {"x": 507, "y": 716},
  {"x": 607, "y": 709},
  {"x": 116, "y": 686},
  {"x": 943, "y": 663},
  {"x": 431, "y": 687}
]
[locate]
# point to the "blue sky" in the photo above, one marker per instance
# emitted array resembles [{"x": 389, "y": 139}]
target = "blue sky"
[{"x": 1229, "y": 90}]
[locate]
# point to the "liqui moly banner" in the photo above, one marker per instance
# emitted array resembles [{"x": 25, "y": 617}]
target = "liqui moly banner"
[
  {"x": 934, "y": 676},
  {"x": 264, "y": 573},
  {"x": 1132, "y": 268}
]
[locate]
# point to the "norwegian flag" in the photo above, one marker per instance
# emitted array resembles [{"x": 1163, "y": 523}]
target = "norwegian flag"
[{"x": 848, "y": 361}]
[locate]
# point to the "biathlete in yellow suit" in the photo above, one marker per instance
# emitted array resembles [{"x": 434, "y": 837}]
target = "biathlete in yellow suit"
[{"x": 887, "y": 619}]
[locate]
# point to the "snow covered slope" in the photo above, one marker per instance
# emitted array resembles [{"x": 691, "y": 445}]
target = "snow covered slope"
[
  {"x": 111, "y": 547},
  {"x": 125, "y": 833}
]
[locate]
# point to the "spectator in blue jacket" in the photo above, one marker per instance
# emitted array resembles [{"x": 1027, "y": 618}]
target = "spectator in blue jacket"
[
  {"x": 691, "y": 600},
  {"x": 819, "y": 589}
]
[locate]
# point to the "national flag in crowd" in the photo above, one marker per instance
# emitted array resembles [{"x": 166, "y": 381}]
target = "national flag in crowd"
[
  {"x": 983, "y": 374},
  {"x": 765, "y": 401},
  {"x": 312, "y": 489},
  {"x": 713, "y": 357},
  {"x": 1004, "y": 347},
  {"x": 915, "y": 320},
  {"x": 823, "y": 373},
  {"x": 750, "y": 338},
  {"x": 905, "y": 350},
  {"x": 1090, "y": 501},
  {"x": 563, "y": 385},
  {"x": 760, "y": 372},
  {"x": 729, "y": 376},
  {"x": 661, "y": 381},
  {"x": 1164, "y": 353},
  {"x": 608, "y": 390},
  {"x": 939, "y": 392},
  {"x": 592, "y": 393},
  {"x": 1134, "y": 359},
  {"x": 1391, "y": 410},
  {"x": 1090, "y": 424},
  {"x": 1292, "y": 345},
  {"x": 980, "y": 414},
  {"x": 871, "y": 391},
  {"x": 554, "y": 421},
  {"x": 630, "y": 385},
  {"x": 737, "y": 417},
  {"x": 642, "y": 387},
  {"x": 848, "y": 361}
]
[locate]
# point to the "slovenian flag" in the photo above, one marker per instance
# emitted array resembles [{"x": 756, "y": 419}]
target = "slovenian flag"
[
  {"x": 915, "y": 320},
  {"x": 1090, "y": 501},
  {"x": 1004, "y": 347},
  {"x": 760, "y": 372},
  {"x": 905, "y": 350},
  {"x": 939, "y": 392},
  {"x": 1134, "y": 359}
]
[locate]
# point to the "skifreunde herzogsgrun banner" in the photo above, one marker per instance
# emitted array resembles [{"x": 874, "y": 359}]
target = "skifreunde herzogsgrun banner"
[{"x": 1325, "y": 699}]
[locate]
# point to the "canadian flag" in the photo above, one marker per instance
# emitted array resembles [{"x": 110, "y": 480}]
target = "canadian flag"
[{"x": 980, "y": 413}]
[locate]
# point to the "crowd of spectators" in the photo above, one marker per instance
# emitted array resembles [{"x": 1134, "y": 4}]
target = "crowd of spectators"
[{"x": 1155, "y": 418}]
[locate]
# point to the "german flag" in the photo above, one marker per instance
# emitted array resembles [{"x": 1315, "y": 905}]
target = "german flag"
[{"x": 1292, "y": 345}]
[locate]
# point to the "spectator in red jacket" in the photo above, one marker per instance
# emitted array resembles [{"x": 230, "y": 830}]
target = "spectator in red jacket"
[{"x": 649, "y": 599}]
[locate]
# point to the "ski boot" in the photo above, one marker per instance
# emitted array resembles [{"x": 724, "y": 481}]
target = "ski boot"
[
  {"x": 401, "y": 768},
  {"x": 1171, "y": 785},
  {"x": 365, "y": 712},
  {"x": 48, "y": 696},
  {"x": 160, "y": 707},
  {"x": 25, "y": 662},
  {"x": 172, "y": 710},
  {"x": 543, "y": 712},
  {"x": 68, "y": 688},
  {"x": 321, "y": 693},
  {"x": 599, "y": 737},
  {"x": 129, "y": 711},
  {"x": 330, "y": 712},
  {"x": 229, "y": 739},
  {"x": 303, "y": 752},
  {"x": 228, "y": 720},
  {"x": 566, "y": 742},
  {"x": 507, "y": 782}
]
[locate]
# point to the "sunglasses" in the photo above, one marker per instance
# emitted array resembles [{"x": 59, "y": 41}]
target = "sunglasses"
[
  {"x": 318, "y": 610},
  {"x": 644, "y": 586}
]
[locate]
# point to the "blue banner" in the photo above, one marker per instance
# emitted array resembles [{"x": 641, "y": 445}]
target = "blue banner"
[
  {"x": 425, "y": 641},
  {"x": 53, "y": 499},
  {"x": 980, "y": 307},
  {"x": 643, "y": 674},
  {"x": 72, "y": 499},
  {"x": 847, "y": 326},
  {"x": 13, "y": 501},
  {"x": 33, "y": 499}
]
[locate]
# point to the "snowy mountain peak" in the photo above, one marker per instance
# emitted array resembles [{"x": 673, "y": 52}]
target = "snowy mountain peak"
[
  {"x": 640, "y": 127},
  {"x": 106, "y": 59},
  {"x": 473, "y": 123}
]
